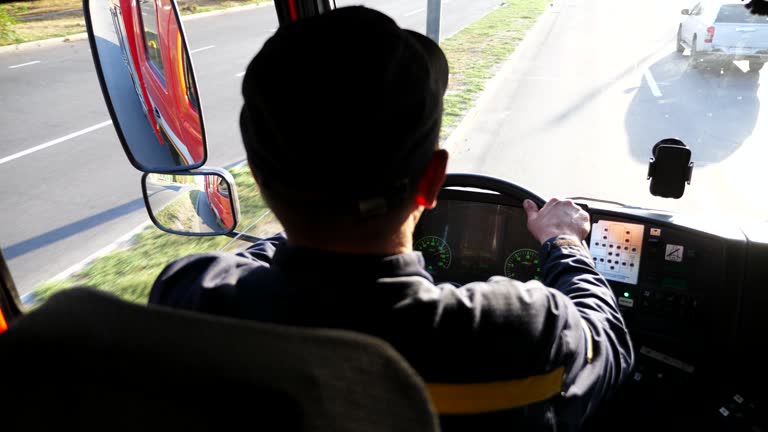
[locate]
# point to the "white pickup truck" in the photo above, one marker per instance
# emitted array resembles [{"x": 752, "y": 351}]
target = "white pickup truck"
[{"x": 723, "y": 31}]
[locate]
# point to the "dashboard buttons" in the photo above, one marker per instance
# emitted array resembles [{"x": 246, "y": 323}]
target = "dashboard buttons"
[{"x": 626, "y": 302}]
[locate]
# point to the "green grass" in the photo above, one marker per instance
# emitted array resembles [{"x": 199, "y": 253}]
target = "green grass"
[
  {"x": 207, "y": 6},
  {"x": 180, "y": 213},
  {"x": 188, "y": 7},
  {"x": 474, "y": 54},
  {"x": 38, "y": 30},
  {"x": 7, "y": 32}
]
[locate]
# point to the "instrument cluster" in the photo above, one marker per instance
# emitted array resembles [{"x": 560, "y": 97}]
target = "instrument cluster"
[{"x": 465, "y": 241}]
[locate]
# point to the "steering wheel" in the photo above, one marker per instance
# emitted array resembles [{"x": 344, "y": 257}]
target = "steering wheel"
[{"x": 491, "y": 184}]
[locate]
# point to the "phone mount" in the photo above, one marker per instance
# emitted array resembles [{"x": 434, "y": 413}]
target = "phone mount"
[{"x": 670, "y": 168}]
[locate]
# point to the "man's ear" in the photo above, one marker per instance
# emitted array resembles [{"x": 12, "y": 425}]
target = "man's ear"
[{"x": 432, "y": 180}]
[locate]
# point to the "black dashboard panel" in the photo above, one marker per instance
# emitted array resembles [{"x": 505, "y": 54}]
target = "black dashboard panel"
[
  {"x": 683, "y": 309},
  {"x": 753, "y": 319},
  {"x": 683, "y": 306},
  {"x": 679, "y": 292}
]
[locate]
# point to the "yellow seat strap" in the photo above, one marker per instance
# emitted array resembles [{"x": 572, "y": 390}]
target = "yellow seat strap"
[{"x": 477, "y": 398}]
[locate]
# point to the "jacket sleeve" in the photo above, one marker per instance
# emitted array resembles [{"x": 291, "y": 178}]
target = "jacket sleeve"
[
  {"x": 201, "y": 282},
  {"x": 264, "y": 250},
  {"x": 503, "y": 329},
  {"x": 607, "y": 356}
]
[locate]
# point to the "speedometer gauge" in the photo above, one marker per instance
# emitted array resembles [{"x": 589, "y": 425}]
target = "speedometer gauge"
[
  {"x": 436, "y": 252},
  {"x": 523, "y": 265}
]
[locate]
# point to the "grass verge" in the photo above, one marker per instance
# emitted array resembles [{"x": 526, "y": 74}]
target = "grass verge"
[
  {"x": 7, "y": 33},
  {"x": 474, "y": 54},
  {"x": 180, "y": 213},
  {"x": 27, "y": 21}
]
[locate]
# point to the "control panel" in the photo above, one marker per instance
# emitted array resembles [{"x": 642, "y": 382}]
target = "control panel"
[
  {"x": 679, "y": 283},
  {"x": 671, "y": 282},
  {"x": 663, "y": 278}
]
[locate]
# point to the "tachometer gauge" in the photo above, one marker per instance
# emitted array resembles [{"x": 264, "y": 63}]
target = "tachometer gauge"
[
  {"x": 523, "y": 265},
  {"x": 436, "y": 252}
]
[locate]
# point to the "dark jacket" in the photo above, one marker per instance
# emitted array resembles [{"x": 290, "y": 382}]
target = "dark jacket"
[{"x": 496, "y": 355}]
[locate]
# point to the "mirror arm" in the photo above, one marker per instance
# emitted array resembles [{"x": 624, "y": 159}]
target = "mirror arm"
[{"x": 243, "y": 236}]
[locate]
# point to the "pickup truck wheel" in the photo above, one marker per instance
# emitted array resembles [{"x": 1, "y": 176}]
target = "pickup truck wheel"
[
  {"x": 755, "y": 66},
  {"x": 680, "y": 47}
]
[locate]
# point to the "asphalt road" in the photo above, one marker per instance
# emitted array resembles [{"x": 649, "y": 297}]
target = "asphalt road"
[
  {"x": 578, "y": 109},
  {"x": 69, "y": 190}
]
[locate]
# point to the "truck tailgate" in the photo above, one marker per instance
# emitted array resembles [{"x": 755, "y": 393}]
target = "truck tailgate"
[
  {"x": 739, "y": 32},
  {"x": 740, "y": 37}
]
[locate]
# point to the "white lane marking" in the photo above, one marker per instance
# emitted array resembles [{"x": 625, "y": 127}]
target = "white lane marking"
[
  {"x": 240, "y": 74},
  {"x": 652, "y": 83},
  {"x": 23, "y": 64},
  {"x": 414, "y": 12},
  {"x": 202, "y": 49},
  {"x": 54, "y": 142}
]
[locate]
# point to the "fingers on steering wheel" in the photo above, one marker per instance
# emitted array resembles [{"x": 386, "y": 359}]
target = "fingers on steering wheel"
[{"x": 550, "y": 203}]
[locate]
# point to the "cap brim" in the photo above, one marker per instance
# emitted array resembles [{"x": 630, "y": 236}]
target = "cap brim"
[{"x": 437, "y": 61}]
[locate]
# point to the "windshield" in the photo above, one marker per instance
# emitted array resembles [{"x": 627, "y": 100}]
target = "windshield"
[
  {"x": 565, "y": 98},
  {"x": 738, "y": 14},
  {"x": 583, "y": 99}
]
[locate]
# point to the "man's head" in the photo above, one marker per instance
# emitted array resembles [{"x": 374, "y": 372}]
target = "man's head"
[{"x": 341, "y": 121}]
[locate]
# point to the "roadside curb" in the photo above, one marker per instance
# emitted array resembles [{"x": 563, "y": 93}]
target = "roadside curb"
[
  {"x": 197, "y": 16},
  {"x": 453, "y": 143},
  {"x": 30, "y": 298},
  {"x": 43, "y": 43},
  {"x": 117, "y": 244}
]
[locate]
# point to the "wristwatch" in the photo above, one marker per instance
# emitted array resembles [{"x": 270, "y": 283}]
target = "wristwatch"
[{"x": 557, "y": 242}]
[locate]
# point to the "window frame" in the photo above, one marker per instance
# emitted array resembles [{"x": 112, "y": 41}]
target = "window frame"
[{"x": 159, "y": 71}]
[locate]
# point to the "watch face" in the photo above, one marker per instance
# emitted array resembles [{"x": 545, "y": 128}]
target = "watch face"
[{"x": 566, "y": 242}]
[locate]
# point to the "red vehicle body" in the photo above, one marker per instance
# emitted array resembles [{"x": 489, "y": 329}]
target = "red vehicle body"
[
  {"x": 217, "y": 192},
  {"x": 153, "y": 49}
]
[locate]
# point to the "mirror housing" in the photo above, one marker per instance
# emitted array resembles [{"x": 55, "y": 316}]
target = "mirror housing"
[
  {"x": 192, "y": 203},
  {"x": 670, "y": 168},
  {"x": 147, "y": 79}
]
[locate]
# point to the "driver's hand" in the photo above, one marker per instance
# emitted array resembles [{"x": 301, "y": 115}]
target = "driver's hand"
[{"x": 556, "y": 218}]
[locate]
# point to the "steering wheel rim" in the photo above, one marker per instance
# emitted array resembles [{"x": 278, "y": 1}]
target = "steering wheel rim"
[{"x": 491, "y": 184}]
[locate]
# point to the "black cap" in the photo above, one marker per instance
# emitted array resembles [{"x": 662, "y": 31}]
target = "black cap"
[{"x": 343, "y": 108}]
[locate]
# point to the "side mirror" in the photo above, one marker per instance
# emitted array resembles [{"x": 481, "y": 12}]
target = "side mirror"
[
  {"x": 194, "y": 203},
  {"x": 685, "y": 12},
  {"x": 148, "y": 82}
]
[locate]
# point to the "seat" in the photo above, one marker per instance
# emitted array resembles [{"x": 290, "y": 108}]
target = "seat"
[{"x": 86, "y": 360}]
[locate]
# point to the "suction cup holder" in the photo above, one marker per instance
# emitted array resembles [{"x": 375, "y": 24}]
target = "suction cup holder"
[{"x": 670, "y": 168}]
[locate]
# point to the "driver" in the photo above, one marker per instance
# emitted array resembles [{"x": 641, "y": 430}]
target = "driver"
[{"x": 341, "y": 121}]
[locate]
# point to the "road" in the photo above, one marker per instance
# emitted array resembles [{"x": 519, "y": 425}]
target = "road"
[
  {"x": 578, "y": 109},
  {"x": 70, "y": 191}
]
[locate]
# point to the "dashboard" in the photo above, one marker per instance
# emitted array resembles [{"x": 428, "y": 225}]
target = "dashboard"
[
  {"x": 684, "y": 290},
  {"x": 463, "y": 242}
]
